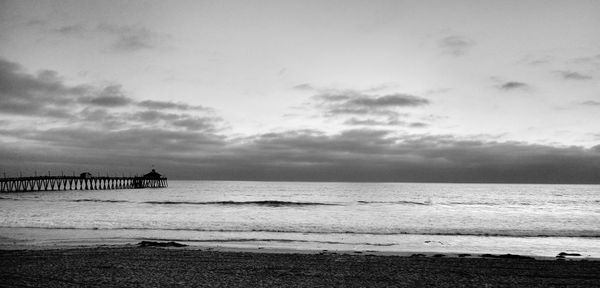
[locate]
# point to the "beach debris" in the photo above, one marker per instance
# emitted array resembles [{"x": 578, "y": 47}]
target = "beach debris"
[
  {"x": 438, "y": 255},
  {"x": 507, "y": 256},
  {"x": 463, "y": 255},
  {"x": 564, "y": 254},
  {"x": 160, "y": 244}
]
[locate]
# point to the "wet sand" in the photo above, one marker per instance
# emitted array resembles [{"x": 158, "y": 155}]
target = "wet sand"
[{"x": 132, "y": 266}]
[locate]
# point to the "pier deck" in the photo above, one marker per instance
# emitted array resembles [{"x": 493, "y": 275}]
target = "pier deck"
[{"x": 55, "y": 183}]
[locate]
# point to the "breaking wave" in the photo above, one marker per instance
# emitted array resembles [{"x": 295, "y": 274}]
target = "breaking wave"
[
  {"x": 269, "y": 203},
  {"x": 99, "y": 200},
  {"x": 392, "y": 232},
  {"x": 396, "y": 202},
  {"x": 475, "y": 203}
]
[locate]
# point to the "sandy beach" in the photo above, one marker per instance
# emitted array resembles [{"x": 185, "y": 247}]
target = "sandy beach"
[{"x": 134, "y": 266}]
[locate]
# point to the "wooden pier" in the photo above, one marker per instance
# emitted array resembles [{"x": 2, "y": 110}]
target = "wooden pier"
[{"x": 83, "y": 182}]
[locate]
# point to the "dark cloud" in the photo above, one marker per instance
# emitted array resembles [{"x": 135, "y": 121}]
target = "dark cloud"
[
  {"x": 391, "y": 121},
  {"x": 418, "y": 125},
  {"x": 376, "y": 155},
  {"x": 514, "y": 85},
  {"x": 396, "y": 100},
  {"x": 132, "y": 38},
  {"x": 569, "y": 75},
  {"x": 593, "y": 60},
  {"x": 352, "y": 155},
  {"x": 153, "y": 116},
  {"x": 362, "y": 109},
  {"x": 158, "y": 105},
  {"x": 133, "y": 141},
  {"x": 334, "y": 111},
  {"x": 591, "y": 103},
  {"x": 362, "y": 104},
  {"x": 305, "y": 86},
  {"x": 371, "y": 122},
  {"x": 173, "y": 120},
  {"x": 455, "y": 45},
  {"x": 354, "y": 99},
  {"x": 338, "y": 97},
  {"x": 110, "y": 101},
  {"x": 43, "y": 94},
  {"x": 102, "y": 117},
  {"x": 110, "y": 96},
  {"x": 195, "y": 123}
]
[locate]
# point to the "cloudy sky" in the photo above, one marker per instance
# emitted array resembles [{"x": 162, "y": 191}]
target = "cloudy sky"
[{"x": 458, "y": 91}]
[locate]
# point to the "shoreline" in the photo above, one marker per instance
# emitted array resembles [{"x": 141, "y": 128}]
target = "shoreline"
[
  {"x": 270, "y": 250},
  {"x": 131, "y": 265},
  {"x": 405, "y": 245}
]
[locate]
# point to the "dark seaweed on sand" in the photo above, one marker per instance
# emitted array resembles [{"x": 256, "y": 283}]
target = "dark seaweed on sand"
[{"x": 160, "y": 244}]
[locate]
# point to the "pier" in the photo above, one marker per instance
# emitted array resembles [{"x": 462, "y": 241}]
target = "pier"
[{"x": 85, "y": 181}]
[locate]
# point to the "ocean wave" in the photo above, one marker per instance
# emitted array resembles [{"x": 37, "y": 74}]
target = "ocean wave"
[
  {"x": 99, "y": 200},
  {"x": 269, "y": 203},
  {"x": 491, "y": 233},
  {"x": 469, "y": 203},
  {"x": 396, "y": 202},
  {"x": 454, "y": 203}
]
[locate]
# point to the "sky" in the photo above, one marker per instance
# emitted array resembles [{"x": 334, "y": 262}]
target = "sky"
[{"x": 392, "y": 91}]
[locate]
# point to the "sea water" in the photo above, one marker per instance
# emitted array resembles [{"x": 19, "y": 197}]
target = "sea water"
[{"x": 527, "y": 219}]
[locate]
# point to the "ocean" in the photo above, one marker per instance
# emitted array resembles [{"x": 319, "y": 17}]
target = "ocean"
[{"x": 526, "y": 219}]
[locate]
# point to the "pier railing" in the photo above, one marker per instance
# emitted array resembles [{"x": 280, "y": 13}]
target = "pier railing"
[{"x": 55, "y": 183}]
